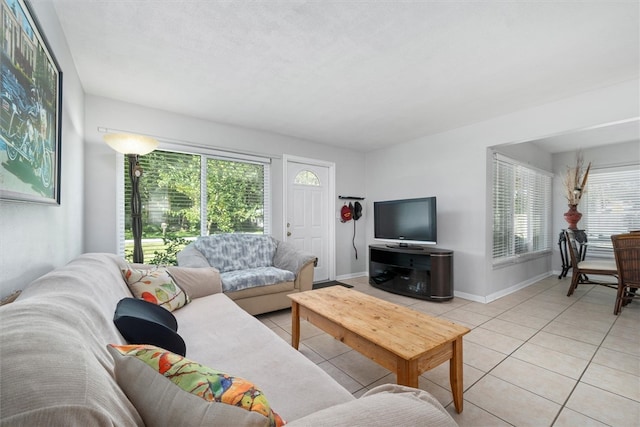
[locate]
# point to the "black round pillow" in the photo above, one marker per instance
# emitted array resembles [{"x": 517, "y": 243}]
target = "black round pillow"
[{"x": 142, "y": 322}]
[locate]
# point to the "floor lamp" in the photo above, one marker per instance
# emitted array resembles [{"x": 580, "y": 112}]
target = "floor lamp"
[{"x": 133, "y": 146}]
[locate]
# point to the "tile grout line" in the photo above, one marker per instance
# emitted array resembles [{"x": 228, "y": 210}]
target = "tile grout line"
[
  {"x": 516, "y": 349},
  {"x": 563, "y": 405},
  {"x": 509, "y": 354},
  {"x": 540, "y": 329},
  {"x": 528, "y": 299},
  {"x": 506, "y": 357}
]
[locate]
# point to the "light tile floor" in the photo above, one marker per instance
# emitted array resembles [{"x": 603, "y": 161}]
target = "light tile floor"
[{"x": 533, "y": 358}]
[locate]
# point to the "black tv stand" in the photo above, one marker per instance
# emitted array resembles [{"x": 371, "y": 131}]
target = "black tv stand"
[
  {"x": 427, "y": 274},
  {"x": 408, "y": 247}
]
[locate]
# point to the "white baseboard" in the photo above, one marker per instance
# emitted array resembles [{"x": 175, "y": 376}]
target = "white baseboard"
[
  {"x": 496, "y": 295},
  {"x": 351, "y": 276},
  {"x": 469, "y": 297},
  {"x": 477, "y": 298},
  {"x": 504, "y": 292}
]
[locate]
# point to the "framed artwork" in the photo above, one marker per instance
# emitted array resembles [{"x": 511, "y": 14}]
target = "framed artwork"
[{"x": 30, "y": 108}]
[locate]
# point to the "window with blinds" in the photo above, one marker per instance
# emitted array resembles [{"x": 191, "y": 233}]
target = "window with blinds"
[
  {"x": 612, "y": 204},
  {"x": 235, "y": 197},
  {"x": 190, "y": 194},
  {"x": 521, "y": 210}
]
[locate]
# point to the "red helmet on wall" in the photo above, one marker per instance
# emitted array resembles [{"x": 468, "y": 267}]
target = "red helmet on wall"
[{"x": 346, "y": 214}]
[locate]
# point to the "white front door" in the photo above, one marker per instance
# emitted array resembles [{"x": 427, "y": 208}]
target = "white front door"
[{"x": 308, "y": 214}]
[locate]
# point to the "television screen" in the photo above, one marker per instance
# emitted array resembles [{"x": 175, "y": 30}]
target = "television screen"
[{"x": 408, "y": 220}]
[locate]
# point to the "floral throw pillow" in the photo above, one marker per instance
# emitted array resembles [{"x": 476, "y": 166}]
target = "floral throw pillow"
[
  {"x": 156, "y": 286},
  {"x": 166, "y": 387}
]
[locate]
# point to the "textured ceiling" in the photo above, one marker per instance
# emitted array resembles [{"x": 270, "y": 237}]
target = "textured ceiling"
[{"x": 357, "y": 74}]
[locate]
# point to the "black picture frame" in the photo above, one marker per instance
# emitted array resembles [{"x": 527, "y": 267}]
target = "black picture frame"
[{"x": 30, "y": 109}]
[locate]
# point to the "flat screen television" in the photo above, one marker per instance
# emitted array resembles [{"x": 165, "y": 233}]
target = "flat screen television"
[{"x": 406, "y": 221}]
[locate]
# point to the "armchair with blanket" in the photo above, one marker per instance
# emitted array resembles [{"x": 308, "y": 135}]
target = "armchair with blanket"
[{"x": 256, "y": 271}]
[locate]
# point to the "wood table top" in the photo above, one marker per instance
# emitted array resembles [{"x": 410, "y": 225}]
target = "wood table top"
[{"x": 400, "y": 330}]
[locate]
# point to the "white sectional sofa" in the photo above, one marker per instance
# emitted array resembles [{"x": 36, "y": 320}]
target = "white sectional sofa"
[{"x": 56, "y": 369}]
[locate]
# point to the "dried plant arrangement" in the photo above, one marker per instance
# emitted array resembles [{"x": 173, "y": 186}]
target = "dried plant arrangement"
[{"x": 575, "y": 180}]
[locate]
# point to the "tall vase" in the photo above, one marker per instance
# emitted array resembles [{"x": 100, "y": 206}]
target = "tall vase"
[{"x": 572, "y": 216}]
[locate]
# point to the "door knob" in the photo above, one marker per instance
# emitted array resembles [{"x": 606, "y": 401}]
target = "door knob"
[{"x": 288, "y": 233}]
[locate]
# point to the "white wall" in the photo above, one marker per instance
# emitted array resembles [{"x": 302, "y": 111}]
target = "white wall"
[
  {"x": 453, "y": 166},
  {"x": 100, "y": 167},
  {"x": 36, "y": 238}
]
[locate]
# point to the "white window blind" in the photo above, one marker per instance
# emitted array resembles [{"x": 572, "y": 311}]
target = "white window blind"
[
  {"x": 521, "y": 210},
  {"x": 236, "y": 187},
  {"x": 122, "y": 174},
  {"x": 266, "y": 190},
  {"x": 612, "y": 204},
  {"x": 192, "y": 194}
]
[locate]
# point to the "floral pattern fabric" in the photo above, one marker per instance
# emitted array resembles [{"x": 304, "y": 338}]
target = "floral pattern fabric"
[
  {"x": 156, "y": 286},
  {"x": 236, "y": 251},
  {"x": 254, "y": 277},
  {"x": 206, "y": 383}
]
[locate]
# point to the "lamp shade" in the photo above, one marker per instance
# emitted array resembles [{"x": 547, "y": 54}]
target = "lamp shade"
[{"x": 131, "y": 144}]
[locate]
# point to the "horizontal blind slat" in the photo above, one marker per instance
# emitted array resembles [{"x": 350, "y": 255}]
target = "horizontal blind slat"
[
  {"x": 612, "y": 203},
  {"x": 171, "y": 194},
  {"x": 521, "y": 209}
]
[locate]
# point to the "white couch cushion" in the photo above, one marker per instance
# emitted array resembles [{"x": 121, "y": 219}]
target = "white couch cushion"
[
  {"x": 385, "y": 405},
  {"x": 55, "y": 367},
  {"x": 238, "y": 280},
  {"x": 197, "y": 282},
  {"x": 220, "y": 334}
]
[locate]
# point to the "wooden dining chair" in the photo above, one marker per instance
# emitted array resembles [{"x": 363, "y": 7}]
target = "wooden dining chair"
[
  {"x": 626, "y": 249},
  {"x": 581, "y": 269}
]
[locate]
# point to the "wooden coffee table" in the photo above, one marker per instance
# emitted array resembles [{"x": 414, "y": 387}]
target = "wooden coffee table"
[{"x": 402, "y": 340}]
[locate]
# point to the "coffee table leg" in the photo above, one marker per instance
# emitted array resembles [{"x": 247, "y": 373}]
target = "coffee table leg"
[
  {"x": 295, "y": 324},
  {"x": 407, "y": 373},
  {"x": 455, "y": 374}
]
